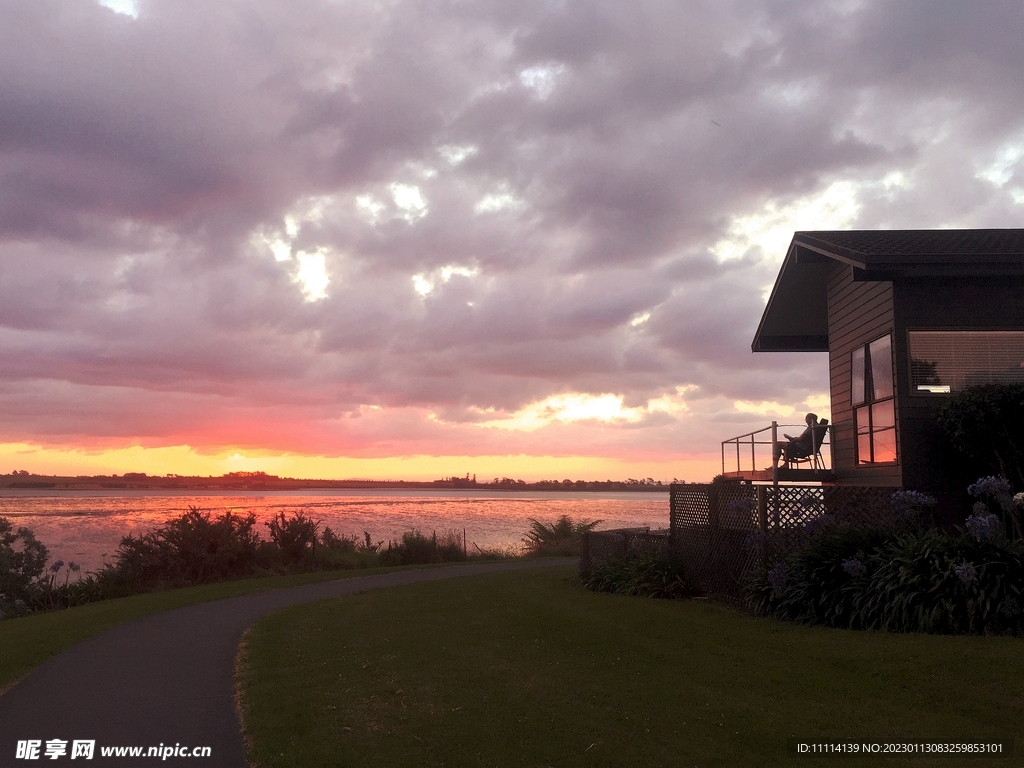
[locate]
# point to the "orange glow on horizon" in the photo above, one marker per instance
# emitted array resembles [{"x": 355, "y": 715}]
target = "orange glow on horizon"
[{"x": 184, "y": 460}]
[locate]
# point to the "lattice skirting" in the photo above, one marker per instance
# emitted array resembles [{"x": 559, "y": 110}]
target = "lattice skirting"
[{"x": 719, "y": 533}]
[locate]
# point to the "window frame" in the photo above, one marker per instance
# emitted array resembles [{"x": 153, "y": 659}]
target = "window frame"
[{"x": 869, "y": 402}]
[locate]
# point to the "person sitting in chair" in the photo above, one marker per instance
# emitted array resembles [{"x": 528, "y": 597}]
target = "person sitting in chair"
[{"x": 797, "y": 447}]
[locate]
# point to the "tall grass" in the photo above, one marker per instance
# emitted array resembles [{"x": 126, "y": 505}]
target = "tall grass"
[
  {"x": 563, "y": 538},
  {"x": 414, "y": 548}
]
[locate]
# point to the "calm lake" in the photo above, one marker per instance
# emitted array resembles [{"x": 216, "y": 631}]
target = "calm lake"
[{"x": 86, "y": 526}]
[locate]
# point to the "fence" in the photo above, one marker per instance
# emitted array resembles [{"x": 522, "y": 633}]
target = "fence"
[
  {"x": 599, "y": 546},
  {"x": 720, "y": 532}
]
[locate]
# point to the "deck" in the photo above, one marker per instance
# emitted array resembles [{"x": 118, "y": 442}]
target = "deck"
[
  {"x": 792, "y": 475},
  {"x": 749, "y": 457}
]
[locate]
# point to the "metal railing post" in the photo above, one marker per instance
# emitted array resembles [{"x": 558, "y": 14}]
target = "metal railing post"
[
  {"x": 775, "y": 452},
  {"x": 775, "y": 473}
]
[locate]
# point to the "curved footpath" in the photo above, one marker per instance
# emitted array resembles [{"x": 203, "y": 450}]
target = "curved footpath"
[{"x": 167, "y": 679}]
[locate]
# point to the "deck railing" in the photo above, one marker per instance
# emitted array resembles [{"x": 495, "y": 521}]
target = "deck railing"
[{"x": 755, "y": 450}]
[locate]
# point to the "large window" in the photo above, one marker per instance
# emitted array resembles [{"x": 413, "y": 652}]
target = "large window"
[
  {"x": 874, "y": 407},
  {"x": 947, "y": 361}
]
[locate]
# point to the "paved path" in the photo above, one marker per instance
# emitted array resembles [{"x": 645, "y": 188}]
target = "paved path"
[{"x": 166, "y": 678}]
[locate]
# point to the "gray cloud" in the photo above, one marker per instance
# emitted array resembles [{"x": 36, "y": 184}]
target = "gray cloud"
[{"x": 559, "y": 174}]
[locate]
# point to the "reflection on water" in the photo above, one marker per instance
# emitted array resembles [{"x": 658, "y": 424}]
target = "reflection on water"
[{"x": 86, "y": 526}]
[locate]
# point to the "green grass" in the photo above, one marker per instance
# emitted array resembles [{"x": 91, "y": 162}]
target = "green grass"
[
  {"x": 530, "y": 669},
  {"x": 29, "y": 641}
]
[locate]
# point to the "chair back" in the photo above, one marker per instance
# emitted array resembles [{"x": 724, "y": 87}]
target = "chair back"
[{"x": 818, "y": 435}]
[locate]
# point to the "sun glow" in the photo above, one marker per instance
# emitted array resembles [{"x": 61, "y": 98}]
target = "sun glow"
[
  {"x": 187, "y": 461},
  {"x": 423, "y": 283},
  {"x": 312, "y": 274},
  {"x": 123, "y": 7},
  {"x": 575, "y": 407},
  {"x": 764, "y": 408},
  {"x": 772, "y": 228}
]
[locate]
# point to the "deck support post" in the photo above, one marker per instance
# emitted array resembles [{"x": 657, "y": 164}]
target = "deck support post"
[{"x": 762, "y": 507}]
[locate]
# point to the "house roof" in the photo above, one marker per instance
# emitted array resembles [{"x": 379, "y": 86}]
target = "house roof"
[{"x": 796, "y": 316}]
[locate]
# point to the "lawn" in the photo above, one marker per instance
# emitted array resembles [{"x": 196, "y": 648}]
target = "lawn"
[
  {"x": 29, "y": 641},
  {"x": 530, "y": 669}
]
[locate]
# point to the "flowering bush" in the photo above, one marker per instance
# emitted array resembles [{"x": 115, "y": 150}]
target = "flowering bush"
[
  {"x": 966, "y": 573},
  {"x": 778, "y": 577},
  {"x": 917, "y": 581},
  {"x": 755, "y": 538},
  {"x": 905, "y": 503},
  {"x": 982, "y": 524},
  {"x": 854, "y": 567},
  {"x": 997, "y": 489}
]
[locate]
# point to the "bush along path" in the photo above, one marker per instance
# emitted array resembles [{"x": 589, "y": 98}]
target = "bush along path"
[{"x": 165, "y": 681}]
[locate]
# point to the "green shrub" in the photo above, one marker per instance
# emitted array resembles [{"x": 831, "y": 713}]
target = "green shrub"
[
  {"x": 416, "y": 549},
  {"x": 191, "y": 549},
  {"x": 935, "y": 582},
  {"x": 984, "y": 429},
  {"x": 642, "y": 575},
  {"x": 294, "y": 536},
  {"x": 563, "y": 538},
  {"x": 22, "y": 560},
  {"x": 917, "y": 581},
  {"x": 343, "y": 552},
  {"x": 811, "y": 585}
]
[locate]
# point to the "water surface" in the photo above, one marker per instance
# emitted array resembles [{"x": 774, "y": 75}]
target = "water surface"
[{"x": 86, "y": 526}]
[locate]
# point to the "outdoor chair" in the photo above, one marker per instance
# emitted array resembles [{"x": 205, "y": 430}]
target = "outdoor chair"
[{"x": 813, "y": 458}]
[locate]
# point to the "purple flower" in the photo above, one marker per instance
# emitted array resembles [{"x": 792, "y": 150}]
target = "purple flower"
[
  {"x": 755, "y": 538},
  {"x": 854, "y": 567},
  {"x": 778, "y": 576},
  {"x": 990, "y": 486},
  {"x": 742, "y": 504},
  {"x": 56, "y": 566},
  {"x": 817, "y": 524},
  {"x": 1010, "y": 607},
  {"x": 982, "y": 524},
  {"x": 905, "y": 502},
  {"x": 966, "y": 573}
]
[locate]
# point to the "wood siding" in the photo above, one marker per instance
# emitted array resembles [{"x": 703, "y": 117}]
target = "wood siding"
[{"x": 858, "y": 312}]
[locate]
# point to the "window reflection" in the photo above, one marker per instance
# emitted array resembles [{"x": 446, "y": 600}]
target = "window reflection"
[
  {"x": 873, "y": 385},
  {"x": 857, "y": 376},
  {"x": 881, "y": 367}
]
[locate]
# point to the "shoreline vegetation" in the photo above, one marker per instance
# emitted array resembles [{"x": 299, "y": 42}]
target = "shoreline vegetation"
[
  {"x": 197, "y": 548},
  {"x": 261, "y": 481}
]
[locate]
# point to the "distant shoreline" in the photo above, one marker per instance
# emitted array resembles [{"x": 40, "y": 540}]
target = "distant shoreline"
[{"x": 257, "y": 481}]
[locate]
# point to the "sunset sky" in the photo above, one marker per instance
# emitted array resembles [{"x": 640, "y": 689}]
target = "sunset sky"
[{"x": 412, "y": 239}]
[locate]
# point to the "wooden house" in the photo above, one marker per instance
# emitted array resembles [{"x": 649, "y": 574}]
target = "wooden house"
[{"x": 907, "y": 318}]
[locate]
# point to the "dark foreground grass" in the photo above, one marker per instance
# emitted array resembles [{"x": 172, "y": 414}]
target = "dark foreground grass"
[
  {"x": 530, "y": 669},
  {"x": 28, "y": 641}
]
